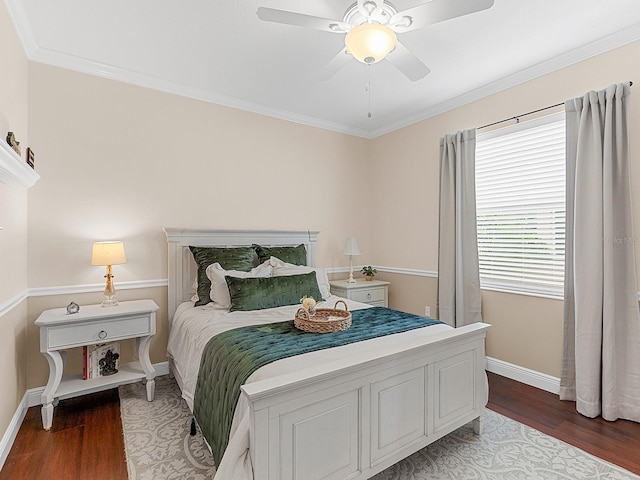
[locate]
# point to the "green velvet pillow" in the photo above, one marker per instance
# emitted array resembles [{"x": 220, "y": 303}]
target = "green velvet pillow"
[
  {"x": 296, "y": 255},
  {"x": 271, "y": 292},
  {"x": 234, "y": 258}
]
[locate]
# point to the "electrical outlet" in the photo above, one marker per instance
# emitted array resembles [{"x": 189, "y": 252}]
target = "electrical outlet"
[{"x": 427, "y": 311}]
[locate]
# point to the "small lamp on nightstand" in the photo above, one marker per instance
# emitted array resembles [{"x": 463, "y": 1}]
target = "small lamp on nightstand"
[
  {"x": 351, "y": 249},
  {"x": 108, "y": 254}
]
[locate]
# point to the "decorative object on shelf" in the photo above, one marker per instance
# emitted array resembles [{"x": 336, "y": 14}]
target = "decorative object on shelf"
[
  {"x": 108, "y": 365},
  {"x": 100, "y": 360},
  {"x": 368, "y": 272},
  {"x": 108, "y": 254},
  {"x": 13, "y": 143},
  {"x": 325, "y": 320},
  {"x": 351, "y": 248},
  {"x": 72, "y": 308},
  {"x": 31, "y": 158}
]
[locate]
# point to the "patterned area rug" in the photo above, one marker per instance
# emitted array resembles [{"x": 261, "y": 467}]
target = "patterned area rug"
[
  {"x": 157, "y": 441},
  {"x": 158, "y": 446}
]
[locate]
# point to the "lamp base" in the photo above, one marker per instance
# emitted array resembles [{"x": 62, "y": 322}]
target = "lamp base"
[
  {"x": 109, "y": 301},
  {"x": 351, "y": 279},
  {"x": 109, "y": 291}
]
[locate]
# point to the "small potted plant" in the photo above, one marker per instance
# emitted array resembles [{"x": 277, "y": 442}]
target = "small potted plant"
[{"x": 368, "y": 272}]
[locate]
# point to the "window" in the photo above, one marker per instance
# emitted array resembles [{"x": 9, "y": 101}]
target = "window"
[{"x": 520, "y": 195}]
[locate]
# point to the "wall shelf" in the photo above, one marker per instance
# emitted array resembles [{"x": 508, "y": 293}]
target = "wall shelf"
[{"x": 14, "y": 170}]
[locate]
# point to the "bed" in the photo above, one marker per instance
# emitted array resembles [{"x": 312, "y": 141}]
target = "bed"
[{"x": 342, "y": 413}]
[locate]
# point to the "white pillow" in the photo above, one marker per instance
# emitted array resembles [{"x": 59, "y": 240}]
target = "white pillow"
[
  {"x": 194, "y": 288},
  {"x": 219, "y": 289},
  {"x": 281, "y": 268}
]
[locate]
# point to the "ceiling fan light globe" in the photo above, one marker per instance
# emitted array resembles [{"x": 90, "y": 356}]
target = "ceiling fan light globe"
[{"x": 370, "y": 42}]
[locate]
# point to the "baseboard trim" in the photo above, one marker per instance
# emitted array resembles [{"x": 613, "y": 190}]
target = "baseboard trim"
[
  {"x": 523, "y": 375},
  {"x": 12, "y": 430},
  {"x": 32, "y": 398}
]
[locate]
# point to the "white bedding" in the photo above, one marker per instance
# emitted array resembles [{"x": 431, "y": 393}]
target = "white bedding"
[{"x": 191, "y": 329}]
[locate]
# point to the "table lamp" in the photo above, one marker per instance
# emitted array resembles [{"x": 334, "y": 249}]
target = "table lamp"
[
  {"x": 351, "y": 249},
  {"x": 108, "y": 254}
]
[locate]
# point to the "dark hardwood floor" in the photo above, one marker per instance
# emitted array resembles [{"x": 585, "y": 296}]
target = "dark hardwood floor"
[{"x": 85, "y": 441}]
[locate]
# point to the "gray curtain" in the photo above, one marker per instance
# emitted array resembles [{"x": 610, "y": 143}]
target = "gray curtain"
[
  {"x": 459, "y": 297},
  {"x": 601, "y": 354}
]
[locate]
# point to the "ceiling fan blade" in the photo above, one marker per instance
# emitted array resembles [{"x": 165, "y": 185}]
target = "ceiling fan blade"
[
  {"x": 408, "y": 63},
  {"x": 335, "y": 64},
  {"x": 302, "y": 20},
  {"x": 435, "y": 11}
]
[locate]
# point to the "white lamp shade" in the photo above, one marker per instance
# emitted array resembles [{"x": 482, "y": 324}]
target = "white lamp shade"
[
  {"x": 108, "y": 253},
  {"x": 370, "y": 42},
  {"x": 351, "y": 247}
]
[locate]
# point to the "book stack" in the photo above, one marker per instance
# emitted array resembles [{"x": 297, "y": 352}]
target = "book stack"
[{"x": 100, "y": 360}]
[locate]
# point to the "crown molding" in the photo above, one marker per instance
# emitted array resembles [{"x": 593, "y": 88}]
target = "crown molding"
[
  {"x": 598, "y": 47},
  {"x": 111, "y": 72},
  {"x": 51, "y": 57},
  {"x": 20, "y": 21}
]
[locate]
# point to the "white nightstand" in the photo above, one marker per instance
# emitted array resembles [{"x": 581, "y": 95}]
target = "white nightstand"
[
  {"x": 95, "y": 324},
  {"x": 374, "y": 292}
]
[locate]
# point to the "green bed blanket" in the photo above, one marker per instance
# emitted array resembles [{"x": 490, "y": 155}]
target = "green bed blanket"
[{"x": 232, "y": 356}]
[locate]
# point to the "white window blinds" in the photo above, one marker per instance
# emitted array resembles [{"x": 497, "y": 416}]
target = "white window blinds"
[{"x": 520, "y": 195}]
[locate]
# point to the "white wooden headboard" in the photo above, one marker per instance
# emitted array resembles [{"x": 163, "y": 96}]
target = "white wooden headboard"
[{"x": 182, "y": 268}]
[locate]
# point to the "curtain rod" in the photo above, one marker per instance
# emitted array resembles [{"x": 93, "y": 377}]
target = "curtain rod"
[{"x": 517, "y": 117}]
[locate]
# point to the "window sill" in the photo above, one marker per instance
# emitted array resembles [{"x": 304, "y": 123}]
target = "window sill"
[{"x": 15, "y": 171}]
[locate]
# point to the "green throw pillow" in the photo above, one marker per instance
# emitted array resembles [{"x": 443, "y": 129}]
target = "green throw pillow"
[
  {"x": 296, "y": 255},
  {"x": 271, "y": 292},
  {"x": 234, "y": 258}
]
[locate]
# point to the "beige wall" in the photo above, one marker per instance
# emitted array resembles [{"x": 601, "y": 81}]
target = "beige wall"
[
  {"x": 120, "y": 161},
  {"x": 13, "y": 218},
  {"x": 405, "y": 170}
]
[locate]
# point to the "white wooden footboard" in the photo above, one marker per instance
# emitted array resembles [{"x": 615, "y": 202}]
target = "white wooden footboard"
[{"x": 353, "y": 420}]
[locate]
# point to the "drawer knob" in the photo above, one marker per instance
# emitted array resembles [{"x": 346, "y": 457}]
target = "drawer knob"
[
  {"x": 368, "y": 296},
  {"x": 102, "y": 335}
]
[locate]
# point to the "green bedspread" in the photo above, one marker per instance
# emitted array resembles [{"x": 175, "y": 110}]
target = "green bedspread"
[{"x": 232, "y": 356}]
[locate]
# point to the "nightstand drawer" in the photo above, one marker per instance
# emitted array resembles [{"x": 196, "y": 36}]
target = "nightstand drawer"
[
  {"x": 368, "y": 295},
  {"x": 71, "y": 335}
]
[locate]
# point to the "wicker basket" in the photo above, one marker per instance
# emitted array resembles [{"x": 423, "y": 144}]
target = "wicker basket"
[{"x": 325, "y": 320}]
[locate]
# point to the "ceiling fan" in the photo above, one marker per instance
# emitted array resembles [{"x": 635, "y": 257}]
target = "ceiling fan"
[{"x": 371, "y": 28}]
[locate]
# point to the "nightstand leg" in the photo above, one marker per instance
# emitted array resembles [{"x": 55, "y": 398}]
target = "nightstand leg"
[
  {"x": 56, "y": 365},
  {"x": 147, "y": 367},
  {"x": 151, "y": 390},
  {"x": 478, "y": 425}
]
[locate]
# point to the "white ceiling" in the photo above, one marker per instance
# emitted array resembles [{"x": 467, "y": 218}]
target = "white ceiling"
[{"x": 219, "y": 51}]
